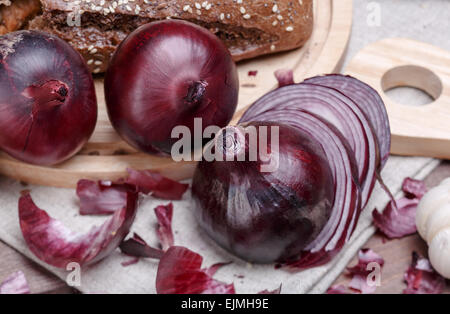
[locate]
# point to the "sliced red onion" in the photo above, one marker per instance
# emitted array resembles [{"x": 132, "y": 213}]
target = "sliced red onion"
[
  {"x": 368, "y": 100},
  {"x": 421, "y": 277},
  {"x": 102, "y": 197},
  {"x": 58, "y": 246},
  {"x": 16, "y": 283},
  {"x": 152, "y": 182},
  {"x": 137, "y": 247},
  {"x": 180, "y": 272},
  {"x": 164, "y": 215},
  {"x": 346, "y": 204},
  {"x": 398, "y": 219},
  {"x": 342, "y": 163},
  {"x": 337, "y": 109},
  {"x": 260, "y": 216}
]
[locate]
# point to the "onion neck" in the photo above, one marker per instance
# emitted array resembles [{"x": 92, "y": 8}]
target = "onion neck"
[
  {"x": 231, "y": 143},
  {"x": 51, "y": 94},
  {"x": 195, "y": 93}
]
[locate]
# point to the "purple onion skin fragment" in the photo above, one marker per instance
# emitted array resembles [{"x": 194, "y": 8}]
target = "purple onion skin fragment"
[
  {"x": 57, "y": 245},
  {"x": 166, "y": 74}
]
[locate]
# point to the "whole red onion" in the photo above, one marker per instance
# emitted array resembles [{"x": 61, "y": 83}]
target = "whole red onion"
[
  {"x": 165, "y": 74},
  {"x": 264, "y": 216},
  {"x": 48, "y": 107}
]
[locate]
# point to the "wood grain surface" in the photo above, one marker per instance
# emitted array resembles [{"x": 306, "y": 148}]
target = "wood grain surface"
[{"x": 393, "y": 62}]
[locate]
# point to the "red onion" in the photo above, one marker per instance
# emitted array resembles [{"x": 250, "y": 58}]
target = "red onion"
[
  {"x": 342, "y": 128},
  {"x": 165, "y": 74},
  {"x": 368, "y": 100},
  {"x": 48, "y": 106},
  {"x": 264, "y": 216},
  {"x": 346, "y": 204}
]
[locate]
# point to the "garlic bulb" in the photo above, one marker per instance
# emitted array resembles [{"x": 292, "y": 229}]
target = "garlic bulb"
[{"x": 433, "y": 224}]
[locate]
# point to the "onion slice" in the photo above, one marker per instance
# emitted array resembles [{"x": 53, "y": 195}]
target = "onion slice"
[
  {"x": 337, "y": 109},
  {"x": 368, "y": 100},
  {"x": 58, "y": 246},
  {"x": 346, "y": 205}
]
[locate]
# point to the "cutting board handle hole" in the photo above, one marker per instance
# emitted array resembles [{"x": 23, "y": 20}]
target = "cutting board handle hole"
[{"x": 424, "y": 86}]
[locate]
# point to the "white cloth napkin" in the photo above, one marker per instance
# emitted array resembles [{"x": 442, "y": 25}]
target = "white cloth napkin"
[{"x": 109, "y": 276}]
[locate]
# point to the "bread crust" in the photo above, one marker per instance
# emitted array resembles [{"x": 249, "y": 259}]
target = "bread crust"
[
  {"x": 249, "y": 28},
  {"x": 14, "y": 15}
]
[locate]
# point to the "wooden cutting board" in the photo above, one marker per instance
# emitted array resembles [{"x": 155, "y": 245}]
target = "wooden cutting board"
[
  {"x": 106, "y": 156},
  {"x": 416, "y": 130}
]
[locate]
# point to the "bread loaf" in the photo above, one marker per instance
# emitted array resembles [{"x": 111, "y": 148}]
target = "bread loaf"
[{"x": 249, "y": 28}]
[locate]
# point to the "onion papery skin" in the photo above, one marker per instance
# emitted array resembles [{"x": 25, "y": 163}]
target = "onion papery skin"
[
  {"x": 370, "y": 103},
  {"x": 55, "y": 244},
  {"x": 165, "y": 74},
  {"x": 265, "y": 216},
  {"x": 48, "y": 107},
  {"x": 340, "y": 111},
  {"x": 347, "y": 203}
]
